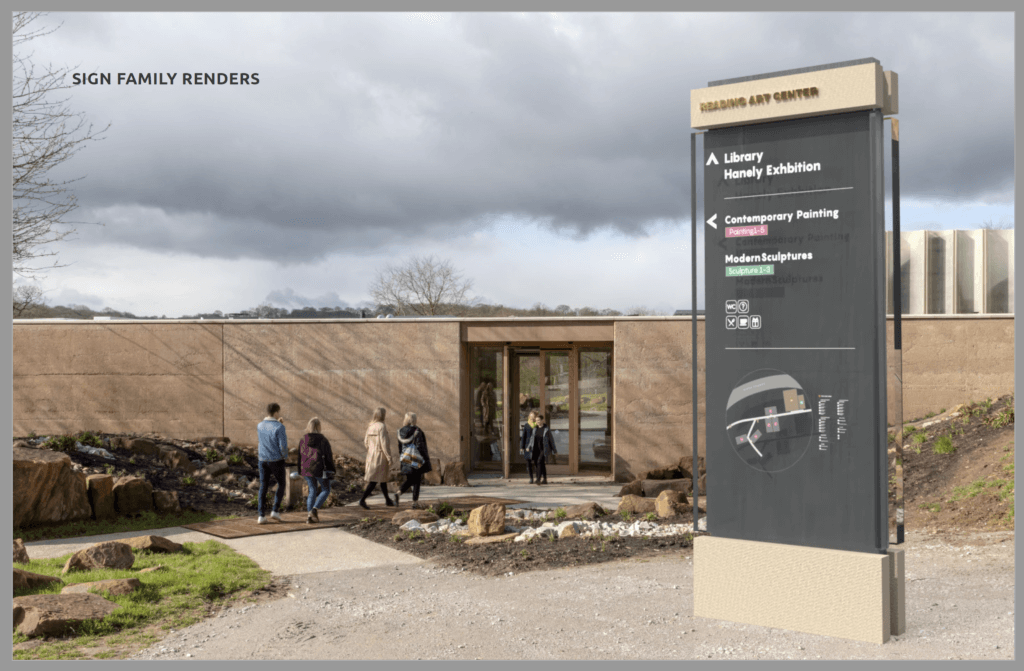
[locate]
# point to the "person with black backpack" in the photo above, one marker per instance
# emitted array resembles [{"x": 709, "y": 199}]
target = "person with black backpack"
[
  {"x": 415, "y": 460},
  {"x": 316, "y": 464}
]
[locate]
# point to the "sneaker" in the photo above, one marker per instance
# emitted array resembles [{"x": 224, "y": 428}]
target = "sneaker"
[
  {"x": 309, "y": 518},
  {"x": 261, "y": 520},
  {"x": 316, "y": 515},
  {"x": 276, "y": 515}
]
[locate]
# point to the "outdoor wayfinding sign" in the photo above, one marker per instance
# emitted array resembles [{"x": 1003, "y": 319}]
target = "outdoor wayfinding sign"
[
  {"x": 795, "y": 352},
  {"x": 795, "y": 322}
]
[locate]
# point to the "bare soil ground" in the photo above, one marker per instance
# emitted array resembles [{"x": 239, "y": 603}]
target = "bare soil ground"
[
  {"x": 505, "y": 556},
  {"x": 959, "y": 469}
]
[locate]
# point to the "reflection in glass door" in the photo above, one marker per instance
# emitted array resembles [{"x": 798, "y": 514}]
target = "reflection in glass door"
[
  {"x": 595, "y": 405},
  {"x": 558, "y": 385},
  {"x": 487, "y": 384}
]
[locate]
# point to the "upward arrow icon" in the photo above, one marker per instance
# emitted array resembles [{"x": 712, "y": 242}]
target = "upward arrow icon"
[{"x": 712, "y": 159}]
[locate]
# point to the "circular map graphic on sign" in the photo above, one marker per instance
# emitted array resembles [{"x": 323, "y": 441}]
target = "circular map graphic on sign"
[{"x": 769, "y": 421}]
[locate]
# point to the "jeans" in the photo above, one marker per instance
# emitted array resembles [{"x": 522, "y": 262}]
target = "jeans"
[
  {"x": 315, "y": 500},
  {"x": 270, "y": 469},
  {"x": 412, "y": 480}
]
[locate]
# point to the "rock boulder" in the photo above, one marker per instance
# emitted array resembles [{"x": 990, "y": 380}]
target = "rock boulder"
[
  {"x": 109, "y": 554},
  {"x": 132, "y": 495},
  {"x": 685, "y": 467},
  {"x": 166, "y": 502},
  {"x": 587, "y": 511},
  {"x": 101, "y": 495},
  {"x": 487, "y": 520},
  {"x": 29, "y": 580},
  {"x": 635, "y": 488},
  {"x": 47, "y": 489},
  {"x": 652, "y": 488},
  {"x": 20, "y": 553},
  {"x": 53, "y": 614},
  {"x": 421, "y": 516},
  {"x": 153, "y": 543},
  {"x": 143, "y": 446},
  {"x": 174, "y": 458},
  {"x": 636, "y": 505},
  {"x": 455, "y": 474},
  {"x": 217, "y": 468},
  {"x": 670, "y": 503},
  {"x": 116, "y": 587}
]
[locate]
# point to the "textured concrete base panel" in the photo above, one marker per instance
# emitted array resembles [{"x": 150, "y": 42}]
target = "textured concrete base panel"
[{"x": 818, "y": 591}]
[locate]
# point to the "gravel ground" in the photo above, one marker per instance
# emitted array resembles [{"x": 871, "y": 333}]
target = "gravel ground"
[{"x": 960, "y": 605}]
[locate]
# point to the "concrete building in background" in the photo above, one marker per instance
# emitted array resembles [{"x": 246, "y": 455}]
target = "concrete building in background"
[{"x": 616, "y": 389}]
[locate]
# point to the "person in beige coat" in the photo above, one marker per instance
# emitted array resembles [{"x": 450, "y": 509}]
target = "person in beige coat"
[{"x": 378, "y": 457}]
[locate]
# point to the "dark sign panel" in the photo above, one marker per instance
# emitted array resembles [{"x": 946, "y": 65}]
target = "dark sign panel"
[{"x": 794, "y": 235}]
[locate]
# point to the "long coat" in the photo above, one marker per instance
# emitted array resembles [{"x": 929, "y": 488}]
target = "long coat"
[{"x": 378, "y": 453}]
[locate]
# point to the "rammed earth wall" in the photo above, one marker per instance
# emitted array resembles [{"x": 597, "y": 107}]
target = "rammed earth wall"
[{"x": 186, "y": 379}]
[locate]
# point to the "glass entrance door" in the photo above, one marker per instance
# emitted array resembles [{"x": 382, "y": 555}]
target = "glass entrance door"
[{"x": 544, "y": 381}]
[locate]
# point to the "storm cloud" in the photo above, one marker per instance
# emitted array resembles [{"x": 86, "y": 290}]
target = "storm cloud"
[{"x": 371, "y": 131}]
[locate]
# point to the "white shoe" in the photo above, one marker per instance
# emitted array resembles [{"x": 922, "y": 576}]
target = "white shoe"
[
  {"x": 276, "y": 515},
  {"x": 261, "y": 520}
]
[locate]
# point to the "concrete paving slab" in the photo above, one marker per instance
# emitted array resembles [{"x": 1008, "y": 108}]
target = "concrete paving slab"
[
  {"x": 317, "y": 550},
  {"x": 63, "y": 546}
]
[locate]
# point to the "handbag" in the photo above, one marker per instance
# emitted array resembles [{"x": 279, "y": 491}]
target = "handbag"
[{"x": 411, "y": 459}]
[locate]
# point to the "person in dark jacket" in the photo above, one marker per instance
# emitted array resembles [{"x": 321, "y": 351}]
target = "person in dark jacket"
[
  {"x": 525, "y": 444},
  {"x": 412, "y": 434},
  {"x": 542, "y": 446},
  {"x": 316, "y": 464}
]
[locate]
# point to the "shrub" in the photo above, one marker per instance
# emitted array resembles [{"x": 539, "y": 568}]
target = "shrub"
[
  {"x": 626, "y": 515},
  {"x": 442, "y": 509},
  {"x": 89, "y": 438},
  {"x": 944, "y": 445},
  {"x": 236, "y": 460},
  {"x": 189, "y": 481},
  {"x": 651, "y": 517},
  {"x": 65, "y": 444},
  {"x": 110, "y": 469},
  {"x": 211, "y": 455},
  {"x": 560, "y": 514},
  {"x": 920, "y": 438}
]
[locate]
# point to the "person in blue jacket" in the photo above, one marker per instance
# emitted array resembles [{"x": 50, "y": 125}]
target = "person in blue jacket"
[{"x": 273, "y": 451}]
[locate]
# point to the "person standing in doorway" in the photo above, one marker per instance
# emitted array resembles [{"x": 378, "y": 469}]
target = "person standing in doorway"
[
  {"x": 542, "y": 445},
  {"x": 273, "y": 450},
  {"x": 378, "y": 457},
  {"x": 316, "y": 464},
  {"x": 410, "y": 434},
  {"x": 526, "y": 442}
]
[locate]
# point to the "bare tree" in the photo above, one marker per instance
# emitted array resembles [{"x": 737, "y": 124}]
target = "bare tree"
[
  {"x": 26, "y": 297},
  {"x": 422, "y": 286},
  {"x": 642, "y": 311},
  {"x": 46, "y": 134},
  {"x": 1001, "y": 226}
]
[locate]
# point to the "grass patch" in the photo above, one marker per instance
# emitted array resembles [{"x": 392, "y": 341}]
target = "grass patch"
[
  {"x": 236, "y": 460},
  {"x": 147, "y": 520},
  {"x": 442, "y": 509},
  {"x": 944, "y": 445},
  {"x": 176, "y": 597},
  {"x": 211, "y": 455},
  {"x": 1004, "y": 489},
  {"x": 560, "y": 514},
  {"x": 907, "y": 430},
  {"x": 933, "y": 507},
  {"x": 919, "y": 438}
]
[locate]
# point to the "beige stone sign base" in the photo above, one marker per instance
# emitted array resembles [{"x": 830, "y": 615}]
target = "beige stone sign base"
[{"x": 819, "y": 591}]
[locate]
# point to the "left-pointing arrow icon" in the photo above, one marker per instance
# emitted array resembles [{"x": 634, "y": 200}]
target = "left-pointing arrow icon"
[
  {"x": 711, "y": 221},
  {"x": 712, "y": 159}
]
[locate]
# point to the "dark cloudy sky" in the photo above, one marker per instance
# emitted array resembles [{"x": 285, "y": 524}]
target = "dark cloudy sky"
[{"x": 546, "y": 154}]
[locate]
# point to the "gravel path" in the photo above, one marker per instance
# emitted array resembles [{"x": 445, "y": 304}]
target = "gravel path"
[{"x": 959, "y": 606}]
